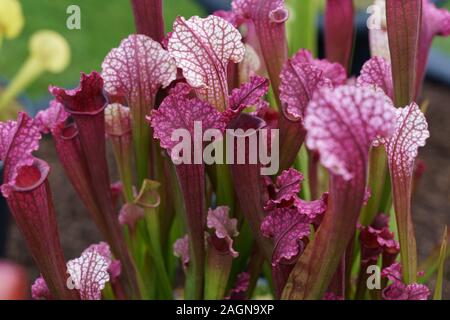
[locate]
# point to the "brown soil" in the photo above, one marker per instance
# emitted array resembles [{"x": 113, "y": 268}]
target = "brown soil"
[
  {"x": 431, "y": 205},
  {"x": 431, "y": 209}
]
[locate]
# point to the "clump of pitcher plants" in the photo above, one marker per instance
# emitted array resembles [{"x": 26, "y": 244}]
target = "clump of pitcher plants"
[{"x": 237, "y": 161}]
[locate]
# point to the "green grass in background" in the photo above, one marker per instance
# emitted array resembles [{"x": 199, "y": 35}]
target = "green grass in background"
[
  {"x": 103, "y": 24},
  {"x": 444, "y": 43}
]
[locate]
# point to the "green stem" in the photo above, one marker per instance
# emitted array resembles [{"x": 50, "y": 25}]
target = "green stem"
[
  {"x": 377, "y": 179},
  {"x": 152, "y": 221},
  {"x": 408, "y": 250},
  {"x": 243, "y": 244},
  {"x": 191, "y": 179},
  {"x": 143, "y": 263},
  {"x": 122, "y": 154},
  {"x": 440, "y": 276},
  {"x": 302, "y": 25},
  {"x": 176, "y": 232},
  {"x": 151, "y": 278},
  {"x": 141, "y": 140},
  {"x": 216, "y": 274},
  {"x": 301, "y": 164},
  {"x": 225, "y": 190},
  {"x": 190, "y": 285},
  {"x": 271, "y": 97},
  {"x": 29, "y": 71},
  {"x": 149, "y": 199},
  {"x": 267, "y": 272},
  {"x": 385, "y": 204},
  {"x": 255, "y": 266},
  {"x": 167, "y": 208}
]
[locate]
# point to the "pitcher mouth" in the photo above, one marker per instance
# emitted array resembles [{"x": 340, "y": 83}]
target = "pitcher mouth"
[
  {"x": 31, "y": 177},
  {"x": 69, "y": 132},
  {"x": 88, "y": 113}
]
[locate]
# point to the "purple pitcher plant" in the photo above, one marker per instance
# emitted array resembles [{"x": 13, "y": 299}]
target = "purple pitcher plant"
[{"x": 241, "y": 161}]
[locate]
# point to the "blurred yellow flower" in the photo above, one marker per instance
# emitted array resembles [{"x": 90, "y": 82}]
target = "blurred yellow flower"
[
  {"x": 11, "y": 19},
  {"x": 51, "y": 50}
]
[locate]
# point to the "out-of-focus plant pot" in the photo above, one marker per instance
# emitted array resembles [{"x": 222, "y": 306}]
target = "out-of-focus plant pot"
[
  {"x": 361, "y": 47},
  {"x": 439, "y": 67},
  {"x": 213, "y": 5}
]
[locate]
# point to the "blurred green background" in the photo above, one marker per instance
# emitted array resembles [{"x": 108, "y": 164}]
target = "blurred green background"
[
  {"x": 103, "y": 24},
  {"x": 441, "y": 42}
]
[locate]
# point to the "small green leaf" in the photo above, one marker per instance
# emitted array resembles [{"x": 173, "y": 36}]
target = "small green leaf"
[
  {"x": 440, "y": 275},
  {"x": 302, "y": 25}
]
